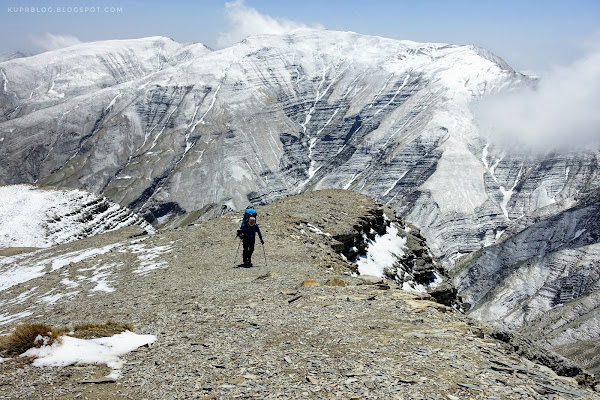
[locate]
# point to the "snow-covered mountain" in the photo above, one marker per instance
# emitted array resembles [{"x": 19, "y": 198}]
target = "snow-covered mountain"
[
  {"x": 542, "y": 275},
  {"x": 41, "y": 217},
  {"x": 165, "y": 128},
  {"x": 11, "y": 56}
]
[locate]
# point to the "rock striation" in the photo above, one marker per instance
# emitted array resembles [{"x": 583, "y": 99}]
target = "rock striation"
[
  {"x": 542, "y": 278},
  {"x": 32, "y": 216},
  {"x": 165, "y": 128}
]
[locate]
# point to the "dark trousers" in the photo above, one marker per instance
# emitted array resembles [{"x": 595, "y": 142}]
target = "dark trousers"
[{"x": 248, "y": 243}]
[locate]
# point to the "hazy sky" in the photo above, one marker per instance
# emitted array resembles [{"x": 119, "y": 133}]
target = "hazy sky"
[{"x": 531, "y": 35}]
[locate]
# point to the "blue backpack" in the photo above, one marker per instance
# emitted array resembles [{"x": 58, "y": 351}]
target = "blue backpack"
[{"x": 249, "y": 212}]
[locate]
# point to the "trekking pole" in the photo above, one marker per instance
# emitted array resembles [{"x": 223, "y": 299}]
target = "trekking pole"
[
  {"x": 236, "y": 252},
  {"x": 264, "y": 254}
]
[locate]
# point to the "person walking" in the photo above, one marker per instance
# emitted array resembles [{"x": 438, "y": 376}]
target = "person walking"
[{"x": 247, "y": 233}]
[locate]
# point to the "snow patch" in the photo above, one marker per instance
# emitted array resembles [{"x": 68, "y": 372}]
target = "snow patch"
[
  {"x": 69, "y": 283},
  {"x": 382, "y": 253},
  {"x": 6, "y": 319},
  {"x": 81, "y": 255},
  {"x": 540, "y": 197},
  {"x": 100, "y": 278},
  {"x": 51, "y": 299},
  {"x": 507, "y": 194},
  {"x": 113, "y": 101},
  {"x": 413, "y": 287},
  {"x": 106, "y": 350},
  {"x": 15, "y": 270},
  {"x": 20, "y": 299},
  {"x": 4, "y": 81},
  {"x": 239, "y": 174},
  {"x": 54, "y": 92},
  {"x": 147, "y": 257},
  {"x": 317, "y": 230},
  {"x": 36, "y": 217},
  {"x": 457, "y": 184},
  {"x": 484, "y": 155},
  {"x": 393, "y": 185}
]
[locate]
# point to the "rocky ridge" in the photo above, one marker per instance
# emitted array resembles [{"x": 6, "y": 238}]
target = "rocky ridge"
[
  {"x": 296, "y": 325},
  {"x": 33, "y": 216}
]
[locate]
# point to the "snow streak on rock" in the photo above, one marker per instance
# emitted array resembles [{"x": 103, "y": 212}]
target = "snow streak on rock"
[{"x": 31, "y": 216}]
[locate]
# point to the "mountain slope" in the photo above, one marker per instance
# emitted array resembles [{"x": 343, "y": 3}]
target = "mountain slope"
[
  {"x": 281, "y": 113},
  {"x": 542, "y": 278},
  {"x": 47, "y": 79},
  {"x": 270, "y": 116},
  {"x": 42, "y": 217},
  {"x": 290, "y": 327}
]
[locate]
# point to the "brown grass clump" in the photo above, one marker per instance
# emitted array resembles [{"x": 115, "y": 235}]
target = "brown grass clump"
[
  {"x": 24, "y": 336},
  {"x": 90, "y": 331}
]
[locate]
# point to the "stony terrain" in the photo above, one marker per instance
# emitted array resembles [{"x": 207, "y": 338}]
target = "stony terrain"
[{"x": 293, "y": 327}]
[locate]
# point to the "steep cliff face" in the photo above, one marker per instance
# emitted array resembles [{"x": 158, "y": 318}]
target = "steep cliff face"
[{"x": 542, "y": 278}]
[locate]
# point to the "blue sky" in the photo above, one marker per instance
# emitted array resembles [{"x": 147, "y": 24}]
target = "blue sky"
[{"x": 530, "y": 35}]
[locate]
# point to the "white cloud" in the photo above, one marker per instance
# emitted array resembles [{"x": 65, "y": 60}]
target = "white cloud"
[
  {"x": 245, "y": 21},
  {"x": 560, "y": 114},
  {"x": 50, "y": 41}
]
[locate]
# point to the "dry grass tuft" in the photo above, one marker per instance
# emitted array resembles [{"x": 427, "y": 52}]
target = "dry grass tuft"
[
  {"x": 27, "y": 336},
  {"x": 90, "y": 331}
]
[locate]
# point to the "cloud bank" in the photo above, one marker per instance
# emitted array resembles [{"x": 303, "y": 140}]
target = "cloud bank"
[
  {"x": 54, "y": 42},
  {"x": 562, "y": 113},
  {"x": 245, "y": 21}
]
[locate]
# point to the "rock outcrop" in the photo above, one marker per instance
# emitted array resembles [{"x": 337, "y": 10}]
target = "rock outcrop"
[{"x": 32, "y": 216}]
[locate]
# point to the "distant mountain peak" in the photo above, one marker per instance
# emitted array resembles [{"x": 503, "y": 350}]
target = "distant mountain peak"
[{"x": 12, "y": 56}]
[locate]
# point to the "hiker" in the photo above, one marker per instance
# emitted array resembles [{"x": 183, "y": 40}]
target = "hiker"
[{"x": 247, "y": 233}]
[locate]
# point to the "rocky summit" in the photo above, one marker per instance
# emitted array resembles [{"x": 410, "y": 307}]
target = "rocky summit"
[{"x": 299, "y": 324}]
